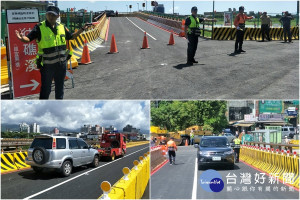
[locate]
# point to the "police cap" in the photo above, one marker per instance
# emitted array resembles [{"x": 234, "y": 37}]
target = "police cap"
[
  {"x": 53, "y": 9},
  {"x": 194, "y": 9}
]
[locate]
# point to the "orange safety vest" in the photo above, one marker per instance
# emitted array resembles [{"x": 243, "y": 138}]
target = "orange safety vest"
[
  {"x": 240, "y": 19},
  {"x": 171, "y": 146}
]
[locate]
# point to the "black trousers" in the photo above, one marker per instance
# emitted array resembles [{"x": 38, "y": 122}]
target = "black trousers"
[
  {"x": 237, "y": 154},
  {"x": 287, "y": 31},
  {"x": 265, "y": 30},
  {"x": 48, "y": 73},
  {"x": 172, "y": 156},
  {"x": 239, "y": 40},
  {"x": 192, "y": 47}
]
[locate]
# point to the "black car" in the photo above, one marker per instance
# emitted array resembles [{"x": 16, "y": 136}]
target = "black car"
[{"x": 215, "y": 150}]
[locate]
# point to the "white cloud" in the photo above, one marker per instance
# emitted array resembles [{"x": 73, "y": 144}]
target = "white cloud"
[
  {"x": 74, "y": 114},
  {"x": 176, "y": 9}
]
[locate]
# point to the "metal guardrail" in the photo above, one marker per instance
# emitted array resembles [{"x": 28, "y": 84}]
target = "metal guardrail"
[{"x": 272, "y": 145}]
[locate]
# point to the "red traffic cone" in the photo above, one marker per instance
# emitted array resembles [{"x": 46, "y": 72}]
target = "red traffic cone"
[
  {"x": 85, "y": 58},
  {"x": 145, "y": 42},
  {"x": 186, "y": 142},
  {"x": 171, "y": 41},
  {"x": 113, "y": 45}
]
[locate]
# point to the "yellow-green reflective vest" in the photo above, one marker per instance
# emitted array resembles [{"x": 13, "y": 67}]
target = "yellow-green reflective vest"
[
  {"x": 195, "y": 24},
  {"x": 237, "y": 142},
  {"x": 52, "y": 48}
]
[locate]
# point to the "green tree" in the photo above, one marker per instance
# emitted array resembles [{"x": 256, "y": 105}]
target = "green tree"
[{"x": 178, "y": 115}]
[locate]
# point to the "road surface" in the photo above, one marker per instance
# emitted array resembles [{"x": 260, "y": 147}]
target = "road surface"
[
  {"x": 177, "y": 181},
  {"x": 267, "y": 70},
  {"x": 81, "y": 184}
]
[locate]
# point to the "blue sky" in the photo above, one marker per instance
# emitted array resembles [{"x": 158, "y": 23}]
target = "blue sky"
[{"x": 183, "y": 7}]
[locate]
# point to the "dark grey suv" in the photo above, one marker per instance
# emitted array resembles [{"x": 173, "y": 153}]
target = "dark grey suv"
[{"x": 215, "y": 150}]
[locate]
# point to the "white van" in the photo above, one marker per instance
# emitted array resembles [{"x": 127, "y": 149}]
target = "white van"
[{"x": 288, "y": 131}]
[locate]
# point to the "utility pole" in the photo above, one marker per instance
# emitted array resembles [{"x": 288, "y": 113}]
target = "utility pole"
[
  {"x": 173, "y": 7},
  {"x": 213, "y": 16}
]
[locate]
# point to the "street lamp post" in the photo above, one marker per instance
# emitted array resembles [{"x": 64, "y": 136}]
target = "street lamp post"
[
  {"x": 146, "y": 5},
  {"x": 213, "y": 16},
  {"x": 138, "y": 6},
  {"x": 173, "y": 7}
]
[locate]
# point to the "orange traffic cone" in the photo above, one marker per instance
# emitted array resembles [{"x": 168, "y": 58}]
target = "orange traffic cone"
[
  {"x": 145, "y": 42},
  {"x": 186, "y": 143},
  {"x": 85, "y": 58},
  {"x": 113, "y": 45},
  {"x": 171, "y": 41},
  {"x": 182, "y": 33}
]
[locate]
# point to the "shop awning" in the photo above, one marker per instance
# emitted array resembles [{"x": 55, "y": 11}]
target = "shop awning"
[{"x": 245, "y": 125}]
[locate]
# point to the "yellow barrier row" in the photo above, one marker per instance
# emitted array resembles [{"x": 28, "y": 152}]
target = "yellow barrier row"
[
  {"x": 94, "y": 38},
  {"x": 134, "y": 182},
  {"x": 13, "y": 161},
  {"x": 279, "y": 164},
  {"x": 224, "y": 33}
]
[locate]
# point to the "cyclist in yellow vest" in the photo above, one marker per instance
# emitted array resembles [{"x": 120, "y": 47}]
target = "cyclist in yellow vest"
[
  {"x": 237, "y": 147},
  {"x": 192, "y": 32},
  {"x": 52, "y": 54}
]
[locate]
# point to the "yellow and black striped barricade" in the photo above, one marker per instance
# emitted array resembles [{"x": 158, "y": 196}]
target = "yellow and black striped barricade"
[{"x": 7, "y": 163}]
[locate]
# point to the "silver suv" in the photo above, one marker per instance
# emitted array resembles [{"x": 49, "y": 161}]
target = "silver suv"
[{"x": 61, "y": 153}]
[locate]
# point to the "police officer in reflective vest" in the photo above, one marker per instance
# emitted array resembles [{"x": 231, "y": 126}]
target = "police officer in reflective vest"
[
  {"x": 192, "y": 32},
  {"x": 237, "y": 147},
  {"x": 171, "y": 145},
  {"x": 52, "y": 54},
  {"x": 239, "y": 23}
]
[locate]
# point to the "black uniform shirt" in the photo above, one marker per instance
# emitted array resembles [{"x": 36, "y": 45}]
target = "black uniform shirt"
[
  {"x": 188, "y": 21},
  {"x": 36, "y": 32}
]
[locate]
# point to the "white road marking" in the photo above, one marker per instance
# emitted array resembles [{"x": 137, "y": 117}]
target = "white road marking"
[
  {"x": 194, "y": 192},
  {"x": 141, "y": 29},
  {"x": 84, "y": 173}
]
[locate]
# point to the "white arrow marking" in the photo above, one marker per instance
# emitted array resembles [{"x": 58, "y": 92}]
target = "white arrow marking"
[{"x": 34, "y": 85}]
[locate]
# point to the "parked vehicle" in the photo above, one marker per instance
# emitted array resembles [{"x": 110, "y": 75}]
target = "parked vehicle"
[
  {"x": 60, "y": 153},
  {"x": 215, "y": 150},
  {"x": 288, "y": 131},
  {"x": 112, "y": 145}
]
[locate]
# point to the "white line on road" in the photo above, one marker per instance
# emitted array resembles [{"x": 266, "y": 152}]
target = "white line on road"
[
  {"x": 194, "y": 193},
  {"x": 141, "y": 29},
  {"x": 84, "y": 173}
]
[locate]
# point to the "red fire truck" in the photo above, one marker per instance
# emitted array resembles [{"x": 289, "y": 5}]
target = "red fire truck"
[{"x": 112, "y": 145}]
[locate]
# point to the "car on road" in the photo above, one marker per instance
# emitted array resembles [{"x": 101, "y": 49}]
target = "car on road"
[
  {"x": 288, "y": 131},
  {"x": 215, "y": 150},
  {"x": 60, "y": 153}
]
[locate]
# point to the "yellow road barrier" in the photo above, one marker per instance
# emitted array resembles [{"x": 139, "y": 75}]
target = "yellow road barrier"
[
  {"x": 13, "y": 161},
  {"x": 7, "y": 163},
  {"x": 224, "y": 33},
  {"x": 281, "y": 164},
  {"x": 133, "y": 184}
]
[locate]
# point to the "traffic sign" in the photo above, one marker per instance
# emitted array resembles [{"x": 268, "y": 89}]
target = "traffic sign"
[{"x": 26, "y": 77}]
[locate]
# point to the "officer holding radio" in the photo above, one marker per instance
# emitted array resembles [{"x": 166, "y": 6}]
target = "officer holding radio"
[{"x": 192, "y": 32}]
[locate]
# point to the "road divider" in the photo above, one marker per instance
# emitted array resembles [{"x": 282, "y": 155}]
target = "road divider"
[
  {"x": 224, "y": 33},
  {"x": 133, "y": 184},
  {"x": 158, "y": 157},
  {"x": 13, "y": 161},
  {"x": 7, "y": 163},
  {"x": 282, "y": 164}
]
